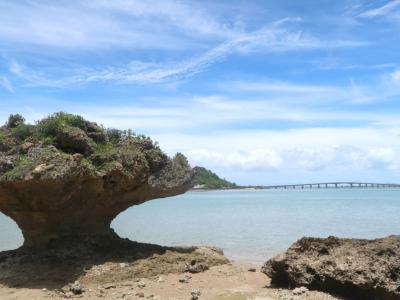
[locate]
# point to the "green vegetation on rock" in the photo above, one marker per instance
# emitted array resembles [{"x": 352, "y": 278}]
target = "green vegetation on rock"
[
  {"x": 206, "y": 179},
  {"x": 62, "y": 135}
]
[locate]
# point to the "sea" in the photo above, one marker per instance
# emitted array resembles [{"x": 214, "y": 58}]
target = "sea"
[{"x": 251, "y": 225}]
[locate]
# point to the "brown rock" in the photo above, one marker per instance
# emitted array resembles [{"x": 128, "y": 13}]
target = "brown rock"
[
  {"x": 77, "y": 288},
  {"x": 77, "y": 157},
  {"x": 355, "y": 269},
  {"x": 75, "y": 140},
  {"x": 60, "y": 191},
  {"x": 26, "y": 146},
  {"x": 6, "y": 163},
  {"x": 195, "y": 294},
  {"x": 185, "y": 278},
  {"x": 196, "y": 267}
]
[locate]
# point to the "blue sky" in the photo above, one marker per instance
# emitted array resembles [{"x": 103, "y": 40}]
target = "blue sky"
[{"x": 259, "y": 91}]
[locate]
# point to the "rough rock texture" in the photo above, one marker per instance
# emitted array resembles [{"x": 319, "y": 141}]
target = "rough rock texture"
[
  {"x": 66, "y": 176},
  {"x": 355, "y": 269}
]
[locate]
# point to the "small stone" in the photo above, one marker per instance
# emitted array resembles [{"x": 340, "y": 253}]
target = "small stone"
[
  {"x": 300, "y": 291},
  {"x": 77, "y": 288},
  {"x": 123, "y": 265},
  {"x": 40, "y": 169},
  {"x": 252, "y": 270},
  {"x": 160, "y": 279},
  {"x": 140, "y": 294},
  {"x": 109, "y": 286},
  {"x": 195, "y": 294},
  {"x": 196, "y": 267},
  {"x": 141, "y": 284},
  {"x": 185, "y": 278},
  {"x": 77, "y": 157},
  {"x": 26, "y": 146},
  {"x": 68, "y": 295}
]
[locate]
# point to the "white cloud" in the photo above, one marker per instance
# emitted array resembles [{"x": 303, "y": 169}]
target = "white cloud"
[
  {"x": 5, "y": 83},
  {"x": 254, "y": 160},
  {"x": 99, "y": 24},
  {"x": 314, "y": 158},
  {"x": 102, "y": 25},
  {"x": 395, "y": 77},
  {"x": 280, "y": 87},
  {"x": 390, "y": 9},
  {"x": 313, "y": 150},
  {"x": 381, "y": 88}
]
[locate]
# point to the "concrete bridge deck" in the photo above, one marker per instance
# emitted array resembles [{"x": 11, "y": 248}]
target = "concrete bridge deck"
[{"x": 326, "y": 185}]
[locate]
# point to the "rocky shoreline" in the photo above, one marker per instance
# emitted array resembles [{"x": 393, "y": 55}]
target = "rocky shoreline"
[
  {"x": 136, "y": 271},
  {"x": 64, "y": 179},
  {"x": 312, "y": 268}
]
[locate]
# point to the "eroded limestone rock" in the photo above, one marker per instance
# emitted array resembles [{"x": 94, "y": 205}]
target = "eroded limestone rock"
[
  {"x": 74, "y": 179},
  {"x": 353, "y": 268}
]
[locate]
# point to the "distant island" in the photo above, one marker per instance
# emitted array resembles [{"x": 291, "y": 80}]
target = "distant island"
[{"x": 205, "y": 179}]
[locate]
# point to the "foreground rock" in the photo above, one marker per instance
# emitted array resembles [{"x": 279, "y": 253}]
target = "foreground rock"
[
  {"x": 68, "y": 177},
  {"x": 355, "y": 269}
]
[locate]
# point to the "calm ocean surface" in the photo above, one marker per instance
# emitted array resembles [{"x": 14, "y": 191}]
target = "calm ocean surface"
[{"x": 252, "y": 225}]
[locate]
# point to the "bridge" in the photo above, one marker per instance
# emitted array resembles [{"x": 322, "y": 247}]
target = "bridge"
[{"x": 326, "y": 185}]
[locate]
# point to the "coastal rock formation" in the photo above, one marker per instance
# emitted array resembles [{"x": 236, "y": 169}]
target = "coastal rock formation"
[
  {"x": 68, "y": 177},
  {"x": 353, "y": 268}
]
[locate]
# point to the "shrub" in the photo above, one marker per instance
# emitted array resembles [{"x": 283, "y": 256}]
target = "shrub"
[
  {"x": 15, "y": 120},
  {"x": 53, "y": 124},
  {"x": 181, "y": 159},
  {"x": 22, "y": 131},
  {"x": 114, "y": 135}
]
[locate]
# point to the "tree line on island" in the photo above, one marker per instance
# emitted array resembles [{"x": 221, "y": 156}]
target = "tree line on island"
[{"x": 206, "y": 179}]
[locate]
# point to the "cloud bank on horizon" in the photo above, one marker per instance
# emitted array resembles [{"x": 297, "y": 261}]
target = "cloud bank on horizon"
[{"x": 275, "y": 92}]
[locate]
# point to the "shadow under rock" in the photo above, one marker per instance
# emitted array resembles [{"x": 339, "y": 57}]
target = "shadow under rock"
[{"x": 63, "y": 262}]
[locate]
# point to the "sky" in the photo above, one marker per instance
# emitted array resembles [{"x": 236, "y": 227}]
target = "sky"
[{"x": 261, "y": 92}]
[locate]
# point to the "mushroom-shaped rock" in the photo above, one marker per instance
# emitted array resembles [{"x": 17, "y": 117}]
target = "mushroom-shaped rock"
[{"x": 76, "y": 177}]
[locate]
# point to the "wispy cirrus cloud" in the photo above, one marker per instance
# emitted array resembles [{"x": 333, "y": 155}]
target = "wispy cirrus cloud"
[
  {"x": 273, "y": 38},
  {"x": 384, "y": 87},
  {"x": 6, "y": 84},
  {"x": 98, "y": 24},
  {"x": 200, "y": 35},
  {"x": 391, "y": 9}
]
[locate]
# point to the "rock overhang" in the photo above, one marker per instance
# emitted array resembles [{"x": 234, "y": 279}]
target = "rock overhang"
[{"x": 68, "y": 176}]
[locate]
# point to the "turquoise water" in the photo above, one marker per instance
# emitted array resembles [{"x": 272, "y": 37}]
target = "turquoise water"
[{"x": 252, "y": 225}]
